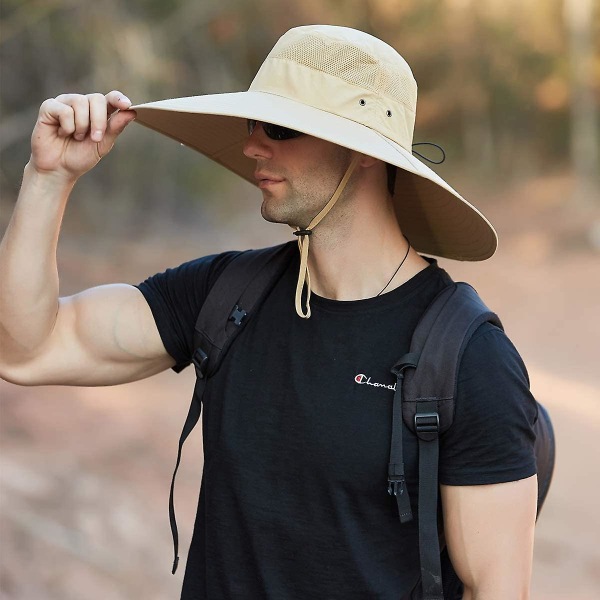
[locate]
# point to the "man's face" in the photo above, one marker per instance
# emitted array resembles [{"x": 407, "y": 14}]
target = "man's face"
[{"x": 297, "y": 177}]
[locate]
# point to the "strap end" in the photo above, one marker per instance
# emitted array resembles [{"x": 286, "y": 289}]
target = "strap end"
[{"x": 397, "y": 487}]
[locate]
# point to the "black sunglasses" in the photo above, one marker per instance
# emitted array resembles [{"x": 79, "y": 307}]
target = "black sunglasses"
[{"x": 274, "y": 132}]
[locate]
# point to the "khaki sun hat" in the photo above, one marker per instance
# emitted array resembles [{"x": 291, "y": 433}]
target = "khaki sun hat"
[{"x": 352, "y": 89}]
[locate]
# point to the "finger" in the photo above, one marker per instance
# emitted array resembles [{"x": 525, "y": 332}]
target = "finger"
[
  {"x": 81, "y": 109},
  {"x": 115, "y": 126},
  {"x": 117, "y": 101},
  {"x": 53, "y": 113},
  {"x": 98, "y": 116}
]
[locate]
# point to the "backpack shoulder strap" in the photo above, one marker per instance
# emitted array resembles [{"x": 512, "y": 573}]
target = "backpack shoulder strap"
[
  {"x": 439, "y": 342},
  {"x": 234, "y": 298},
  {"x": 240, "y": 289},
  {"x": 424, "y": 399},
  {"x": 437, "y": 345}
]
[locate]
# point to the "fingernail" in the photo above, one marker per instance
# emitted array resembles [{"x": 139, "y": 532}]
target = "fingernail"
[
  {"x": 79, "y": 136},
  {"x": 125, "y": 99},
  {"x": 97, "y": 135}
]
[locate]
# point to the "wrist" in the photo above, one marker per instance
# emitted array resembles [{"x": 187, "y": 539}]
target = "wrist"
[{"x": 48, "y": 180}]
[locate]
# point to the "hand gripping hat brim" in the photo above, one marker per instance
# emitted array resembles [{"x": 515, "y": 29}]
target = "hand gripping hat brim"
[{"x": 349, "y": 88}]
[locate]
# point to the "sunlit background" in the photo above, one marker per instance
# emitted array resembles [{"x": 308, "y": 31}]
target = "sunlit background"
[{"x": 510, "y": 89}]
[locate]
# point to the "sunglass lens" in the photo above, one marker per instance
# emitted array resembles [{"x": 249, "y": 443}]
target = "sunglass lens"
[
  {"x": 274, "y": 132},
  {"x": 279, "y": 133}
]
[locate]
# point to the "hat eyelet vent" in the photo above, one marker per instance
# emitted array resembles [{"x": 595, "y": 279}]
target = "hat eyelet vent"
[
  {"x": 388, "y": 113},
  {"x": 362, "y": 101}
]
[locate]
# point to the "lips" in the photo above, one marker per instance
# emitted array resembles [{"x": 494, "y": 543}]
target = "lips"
[{"x": 264, "y": 179}]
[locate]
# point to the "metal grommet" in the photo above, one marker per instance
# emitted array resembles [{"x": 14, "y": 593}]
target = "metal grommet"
[
  {"x": 362, "y": 102},
  {"x": 388, "y": 113}
]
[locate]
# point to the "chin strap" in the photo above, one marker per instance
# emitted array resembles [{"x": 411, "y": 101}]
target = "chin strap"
[{"x": 304, "y": 240}]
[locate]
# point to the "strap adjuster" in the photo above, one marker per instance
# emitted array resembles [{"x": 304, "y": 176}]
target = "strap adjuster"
[
  {"x": 427, "y": 425},
  {"x": 200, "y": 361},
  {"x": 237, "y": 315}
]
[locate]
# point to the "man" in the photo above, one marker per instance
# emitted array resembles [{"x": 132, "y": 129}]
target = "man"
[{"x": 297, "y": 419}]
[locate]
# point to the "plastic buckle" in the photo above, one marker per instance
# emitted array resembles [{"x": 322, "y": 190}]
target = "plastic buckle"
[
  {"x": 237, "y": 315},
  {"x": 427, "y": 423},
  {"x": 200, "y": 361},
  {"x": 396, "y": 486}
]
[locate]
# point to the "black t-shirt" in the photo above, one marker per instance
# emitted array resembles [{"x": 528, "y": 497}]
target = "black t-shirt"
[{"x": 293, "y": 502}]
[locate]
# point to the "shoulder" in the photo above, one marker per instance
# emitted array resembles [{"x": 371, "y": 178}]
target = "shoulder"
[
  {"x": 175, "y": 297},
  {"x": 490, "y": 352},
  {"x": 205, "y": 268},
  {"x": 492, "y": 377},
  {"x": 491, "y": 439}
]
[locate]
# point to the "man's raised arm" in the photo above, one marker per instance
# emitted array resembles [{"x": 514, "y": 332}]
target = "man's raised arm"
[{"x": 102, "y": 336}]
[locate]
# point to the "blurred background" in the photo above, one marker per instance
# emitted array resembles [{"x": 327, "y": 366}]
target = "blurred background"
[{"x": 510, "y": 89}]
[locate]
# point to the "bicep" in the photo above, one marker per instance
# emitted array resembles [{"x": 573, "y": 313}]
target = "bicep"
[
  {"x": 489, "y": 532},
  {"x": 103, "y": 336}
]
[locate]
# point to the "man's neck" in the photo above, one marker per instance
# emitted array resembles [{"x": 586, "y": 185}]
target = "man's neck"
[{"x": 356, "y": 259}]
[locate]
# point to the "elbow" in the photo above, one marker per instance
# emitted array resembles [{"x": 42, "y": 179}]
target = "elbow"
[
  {"x": 499, "y": 591},
  {"x": 23, "y": 372},
  {"x": 17, "y": 376},
  {"x": 21, "y": 364}
]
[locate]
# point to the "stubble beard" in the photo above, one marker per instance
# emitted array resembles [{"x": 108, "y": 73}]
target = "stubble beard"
[
  {"x": 305, "y": 198},
  {"x": 296, "y": 207}
]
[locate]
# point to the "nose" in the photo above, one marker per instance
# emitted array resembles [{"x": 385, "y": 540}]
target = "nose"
[{"x": 258, "y": 145}]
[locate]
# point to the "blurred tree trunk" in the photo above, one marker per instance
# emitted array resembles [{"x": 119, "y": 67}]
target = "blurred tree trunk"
[
  {"x": 584, "y": 115},
  {"x": 477, "y": 136}
]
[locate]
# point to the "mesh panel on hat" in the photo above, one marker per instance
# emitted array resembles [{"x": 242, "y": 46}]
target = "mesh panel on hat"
[{"x": 353, "y": 65}]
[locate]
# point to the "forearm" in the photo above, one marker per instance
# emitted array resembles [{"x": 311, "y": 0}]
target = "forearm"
[{"x": 29, "y": 289}]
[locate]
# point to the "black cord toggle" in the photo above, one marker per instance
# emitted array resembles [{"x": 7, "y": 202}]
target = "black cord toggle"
[
  {"x": 433, "y": 162},
  {"x": 303, "y": 232}
]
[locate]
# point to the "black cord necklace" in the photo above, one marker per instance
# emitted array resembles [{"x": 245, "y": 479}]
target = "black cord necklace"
[{"x": 396, "y": 271}]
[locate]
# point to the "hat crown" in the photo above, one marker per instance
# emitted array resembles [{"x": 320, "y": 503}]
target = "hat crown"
[{"x": 345, "y": 72}]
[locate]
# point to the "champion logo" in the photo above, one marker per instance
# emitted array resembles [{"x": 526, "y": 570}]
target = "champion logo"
[{"x": 363, "y": 379}]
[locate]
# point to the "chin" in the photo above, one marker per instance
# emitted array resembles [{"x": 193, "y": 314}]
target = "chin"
[
  {"x": 266, "y": 213},
  {"x": 271, "y": 214}
]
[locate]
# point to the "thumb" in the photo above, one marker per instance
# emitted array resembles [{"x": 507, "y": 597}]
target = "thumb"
[{"x": 115, "y": 126}]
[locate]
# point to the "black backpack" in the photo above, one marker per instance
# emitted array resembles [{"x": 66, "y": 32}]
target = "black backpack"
[{"x": 424, "y": 396}]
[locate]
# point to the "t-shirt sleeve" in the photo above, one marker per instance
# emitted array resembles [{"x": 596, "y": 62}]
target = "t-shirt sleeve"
[
  {"x": 175, "y": 298},
  {"x": 492, "y": 438}
]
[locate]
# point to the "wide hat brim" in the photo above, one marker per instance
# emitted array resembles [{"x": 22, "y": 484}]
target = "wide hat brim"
[{"x": 435, "y": 218}]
